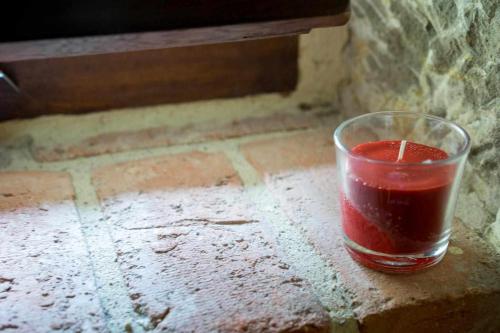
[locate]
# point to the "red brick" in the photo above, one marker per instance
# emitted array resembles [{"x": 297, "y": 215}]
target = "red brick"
[
  {"x": 46, "y": 282},
  {"x": 25, "y": 188},
  {"x": 167, "y": 136},
  {"x": 195, "y": 169},
  {"x": 197, "y": 256},
  {"x": 296, "y": 152},
  {"x": 461, "y": 294}
]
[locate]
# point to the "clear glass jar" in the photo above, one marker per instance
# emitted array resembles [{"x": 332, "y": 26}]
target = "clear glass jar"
[{"x": 397, "y": 205}]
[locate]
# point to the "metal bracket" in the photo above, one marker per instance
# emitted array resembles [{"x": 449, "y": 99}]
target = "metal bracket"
[{"x": 5, "y": 81}]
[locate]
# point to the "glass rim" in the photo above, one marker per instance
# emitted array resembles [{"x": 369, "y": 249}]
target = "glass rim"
[{"x": 451, "y": 159}]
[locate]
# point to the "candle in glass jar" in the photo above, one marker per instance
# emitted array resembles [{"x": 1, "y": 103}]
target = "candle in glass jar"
[
  {"x": 396, "y": 209},
  {"x": 399, "y": 174}
]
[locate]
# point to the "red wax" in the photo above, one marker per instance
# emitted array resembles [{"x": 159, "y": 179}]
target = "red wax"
[{"x": 396, "y": 208}]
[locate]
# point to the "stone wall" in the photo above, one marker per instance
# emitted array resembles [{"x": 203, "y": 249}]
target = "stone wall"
[{"x": 439, "y": 57}]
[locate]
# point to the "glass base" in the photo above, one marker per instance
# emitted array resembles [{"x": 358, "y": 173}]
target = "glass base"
[{"x": 392, "y": 263}]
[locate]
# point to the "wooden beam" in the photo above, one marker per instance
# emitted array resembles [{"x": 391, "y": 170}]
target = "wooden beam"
[
  {"x": 35, "y": 20},
  {"x": 70, "y": 47},
  {"x": 100, "y": 82}
]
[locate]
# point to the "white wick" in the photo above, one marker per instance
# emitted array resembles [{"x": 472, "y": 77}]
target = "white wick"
[{"x": 402, "y": 148}]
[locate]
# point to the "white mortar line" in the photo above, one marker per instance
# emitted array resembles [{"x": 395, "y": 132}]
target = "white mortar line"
[
  {"x": 22, "y": 160},
  {"x": 108, "y": 276},
  {"x": 296, "y": 249}
]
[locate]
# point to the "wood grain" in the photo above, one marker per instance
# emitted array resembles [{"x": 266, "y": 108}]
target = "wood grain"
[{"x": 100, "y": 82}]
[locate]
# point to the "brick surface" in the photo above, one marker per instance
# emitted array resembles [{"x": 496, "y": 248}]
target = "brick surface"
[
  {"x": 461, "y": 294},
  {"x": 301, "y": 151},
  {"x": 46, "y": 282},
  {"x": 196, "y": 254},
  {"x": 192, "y": 170},
  {"x": 167, "y": 136}
]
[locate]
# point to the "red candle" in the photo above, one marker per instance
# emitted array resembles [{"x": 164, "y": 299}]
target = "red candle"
[
  {"x": 396, "y": 210},
  {"x": 398, "y": 197}
]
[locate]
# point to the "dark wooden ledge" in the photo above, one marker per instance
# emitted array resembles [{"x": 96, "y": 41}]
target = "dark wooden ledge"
[
  {"x": 82, "y": 56},
  {"x": 55, "y": 48},
  {"x": 54, "y": 29}
]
